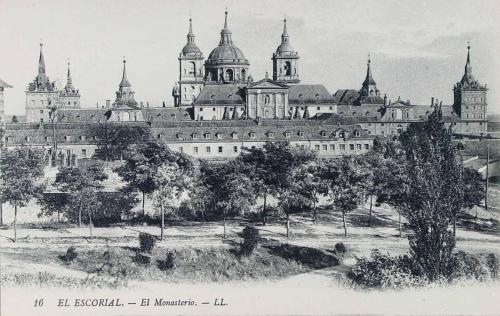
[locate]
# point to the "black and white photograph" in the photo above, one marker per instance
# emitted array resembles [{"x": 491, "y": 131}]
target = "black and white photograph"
[{"x": 252, "y": 157}]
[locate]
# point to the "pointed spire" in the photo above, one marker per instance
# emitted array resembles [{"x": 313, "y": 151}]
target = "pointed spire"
[
  {"x": 68, "y": 79},
  {"x": 225, "y": 34},
  {"x": 369, "y": 79},
  {"x": 284, "y": 36},
  {"x": 468, "y": 77},
  {"x": 190, "y": 35},
  {"x": 225, "y": 19},
  {"x": 124, "y": 82},
  {"x": 41, "y": 62}
]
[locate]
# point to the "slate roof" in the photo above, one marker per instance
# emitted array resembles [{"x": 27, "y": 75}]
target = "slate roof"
[
  {"x": 311, "y": 93},
  {"x": 221, "y": 94}
]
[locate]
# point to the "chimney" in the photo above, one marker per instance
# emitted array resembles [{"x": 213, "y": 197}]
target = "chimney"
[
  {"x": 108, "y": 102},
  {"x": 142, "y": 104},
  {"x": 97, "y": 104},
  {"x": 163, "y": 103},
  {"x": 385, "y": 99},
  {"x": 432, "y": 100}
]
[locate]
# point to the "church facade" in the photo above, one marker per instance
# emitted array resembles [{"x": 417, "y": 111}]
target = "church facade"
[{"x": 218, "y": 108}]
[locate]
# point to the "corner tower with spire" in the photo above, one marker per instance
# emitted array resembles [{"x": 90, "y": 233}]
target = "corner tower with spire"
[
  {"x": 70, "y": 96},
  {"x": 470, "y": 97},
  {"x": 41, "y": 94},
  {"x": 125, "y": 95},
  {"x": 190, "y": 72},
  {"x": 286, "y": 60}
]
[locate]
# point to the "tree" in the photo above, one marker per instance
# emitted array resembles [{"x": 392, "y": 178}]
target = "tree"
[
  {"x": 372, "y": 163},
  {"x": 21, "y": 177},
  {"x": 346, "y": 180},
  {"x": 112, "y": 140},
  {"x": 142, "y": 162},
  {"x": 473, "y": 192},
  {"x": 307, "y": 182},
  {"x": 169, "y": 182},
  {"x": 270, "y": 167},
  {"x": 83, "y": 185},
  {"x": 391, "y": 184},
  {"x": 434, "y": 194},
  {"x": 231, "y": 190}
]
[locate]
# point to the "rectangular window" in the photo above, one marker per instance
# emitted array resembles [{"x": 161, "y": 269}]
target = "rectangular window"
[
  {"x": 201, "y": 109},
  {"x": 316, "y": 147},
  {"x": 332, "y": 147},
  {"x": 325, "y": 147},
  {"x": 84, "y": 153},
  {"x": 367, "y": 146},
  {"x": 302, "y": 147},
  {"x": 220, "y": 149},
  {"x": 195, "y": 150},
  {"x": 41, "y": 111},
  {"x": 208, "y": 149},
  {"x": 318, "y": 108},
  {"x": 235, "y": 149},
  {"x": 342, "y": 146},
  {"x": 351, "y": 146},
  {"x": 358, "y": 146},
  {"x": 181, "y": 150}
]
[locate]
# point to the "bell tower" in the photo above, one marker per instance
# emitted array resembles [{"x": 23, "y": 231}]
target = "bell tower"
[
  {"x": 190, "y": 71},
  {"x": 286, "y": 60}
]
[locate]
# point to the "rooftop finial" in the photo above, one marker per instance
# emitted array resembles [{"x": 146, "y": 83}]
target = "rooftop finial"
[
  {"x": 124, "y": 82},
  {"x": 225, "y": 19},
  {"x": 41, "y": 61}
]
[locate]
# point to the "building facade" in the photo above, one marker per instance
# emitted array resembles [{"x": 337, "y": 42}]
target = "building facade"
[{"x": 219, "y": 109}]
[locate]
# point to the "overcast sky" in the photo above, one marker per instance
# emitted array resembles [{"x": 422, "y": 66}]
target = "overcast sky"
[{"x": 418, "y": 48}]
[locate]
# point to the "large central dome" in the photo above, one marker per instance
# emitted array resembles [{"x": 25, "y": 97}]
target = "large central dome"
[
  {"x": 226, "y": 63},
  {"x": 227, "y": 52}
]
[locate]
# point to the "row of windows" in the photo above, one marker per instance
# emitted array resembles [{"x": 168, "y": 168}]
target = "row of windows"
[
  {"x": 331, "y": 147},
  {"x": 269, "y": 134}
]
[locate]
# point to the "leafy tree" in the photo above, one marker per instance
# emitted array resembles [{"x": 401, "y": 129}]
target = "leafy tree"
[
  {"x": 307, "y": 182},
  {"x": 170, "y": 181},
  {"x": 231, "y": 190},
  {"x": 346, "y": 179},
  {"x": 112, "y": 140},
  {"x": 82, "y": 184},
  {"x": 434, "y": 194},
  {"x": 391, "y": 184},
  {"x": 142, "y": 162},
  {"x": 372, "y": 162},
  {"x": 270, "y": 167},
  {"x": 473, "y": 194},
  {"x": 21, "y": 177}
]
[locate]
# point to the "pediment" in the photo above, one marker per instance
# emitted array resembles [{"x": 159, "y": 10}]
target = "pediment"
[{"x": 267, "y": 84}]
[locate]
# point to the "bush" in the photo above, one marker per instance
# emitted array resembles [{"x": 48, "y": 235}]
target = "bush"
[
  {"x": 384, "y": 271},
  {"x": 169, "y": 263},
  {"x": 146, "y": 242},
  {"x": 250, "y": 237},
  {"x": 340, "y": 247},
  {"x": 468, "y": 266},
  {"x": 142, "y": 259},
  {"x": 70, "y": 255}
]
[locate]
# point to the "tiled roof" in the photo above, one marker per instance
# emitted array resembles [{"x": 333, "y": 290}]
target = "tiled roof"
[
  {"x": 313, "y": 93},
  {"x": 221, "y": 94}
]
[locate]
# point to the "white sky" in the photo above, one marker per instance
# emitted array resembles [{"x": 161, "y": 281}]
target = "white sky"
[{"x": 418, "y": 48}]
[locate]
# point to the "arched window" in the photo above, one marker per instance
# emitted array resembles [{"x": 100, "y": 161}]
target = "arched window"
[
  {"x": 192, "y": 68},
  {"x": 229, "y": 75},
  {"x": 399, "y": 114},
  {"x": 243, "y": 74},
  {"x": 288, "y": 68}
]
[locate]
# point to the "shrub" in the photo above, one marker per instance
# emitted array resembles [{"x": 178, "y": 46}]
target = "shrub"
[
  {"x": 142, "y": 259},
  {"x": 340, "y": 247},
  {"x": 70, "y": 255},
  {"x": 250, "y": 237},
  {"x": 169, "y": 263},
  {"x": 146, "y": 242},
  {"x": 384, "y": 271},
  {"x": 468, "y": 266}
]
